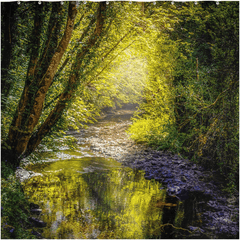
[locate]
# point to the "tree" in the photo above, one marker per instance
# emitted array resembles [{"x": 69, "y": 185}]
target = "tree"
[
  {"x": 23, "y": 137},
  {"x": 207, "y": 83},
  {"x": 191, "y": 102},
  {"x": 8, "y": 39}
]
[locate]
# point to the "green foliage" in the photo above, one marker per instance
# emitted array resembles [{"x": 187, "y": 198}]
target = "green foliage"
[
  {"x": 179, "y": 62},
  {"x": 14, "y": 208},
  {"x": 103, "y": 78},
  {"x": 6, "y": 170},
  {"x": 154, "y": 122},
  {"x": 201, "y": 95},
  {"x": 207, "y": 100}
]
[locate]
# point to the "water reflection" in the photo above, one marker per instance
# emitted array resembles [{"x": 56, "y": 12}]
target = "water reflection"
[{"x": 96, "y": 198}]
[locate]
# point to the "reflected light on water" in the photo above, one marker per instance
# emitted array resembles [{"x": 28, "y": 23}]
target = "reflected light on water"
[{"x": 96, "y": 198}]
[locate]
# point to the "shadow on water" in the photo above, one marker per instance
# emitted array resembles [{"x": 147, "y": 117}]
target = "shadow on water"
[{"x": 98, "y": 198}]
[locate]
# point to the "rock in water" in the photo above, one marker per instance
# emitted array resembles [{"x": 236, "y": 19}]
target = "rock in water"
[{"x": 36, "y": 222}]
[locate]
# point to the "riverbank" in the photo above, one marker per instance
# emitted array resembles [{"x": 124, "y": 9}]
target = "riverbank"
[{"x": 202, "y": 189}]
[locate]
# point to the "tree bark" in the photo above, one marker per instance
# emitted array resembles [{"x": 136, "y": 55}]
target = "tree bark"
[
  {"x": 71, "y": 87},
  {"x": 30, "y": 105},
  {"x": 53, "y": 32}
]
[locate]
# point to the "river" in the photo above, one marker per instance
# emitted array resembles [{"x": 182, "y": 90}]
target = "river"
[{"x": 91, "y": 192}]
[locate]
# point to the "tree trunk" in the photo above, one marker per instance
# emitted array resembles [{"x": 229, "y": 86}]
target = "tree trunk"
[
  {"x": 39, "y": 78},
  {"x": 23, "y": 138},
  {"x": 71, "y": 87}
]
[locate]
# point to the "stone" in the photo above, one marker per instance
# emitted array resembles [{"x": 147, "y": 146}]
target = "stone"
[
  {"x": 195, "y": 229},
  {"x": 22, "y": 174},
  {"x": 183, "y": 178},
  {"x": 36, "y": 174},
  {"x": 37, "y": 234},
  {"x": 36, "y": 222},
  {"x": 36, "y": 211},
  {"x": 231, "y": 200}
]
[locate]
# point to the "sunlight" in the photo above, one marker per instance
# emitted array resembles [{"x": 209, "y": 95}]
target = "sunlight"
[{"x": 125, "y": 78}]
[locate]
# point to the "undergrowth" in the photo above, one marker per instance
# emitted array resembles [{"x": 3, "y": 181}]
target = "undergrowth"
[
  {"x": 166, "y": 137},
  {"x": 14, "y": 207}
]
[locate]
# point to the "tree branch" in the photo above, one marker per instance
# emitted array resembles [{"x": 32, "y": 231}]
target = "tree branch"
[
  {"x": 51, "y": 42},
  {"x": 21, "y": 129},
  {"x": 75, "y": 48},
  {"x": 71, "y": 87}
]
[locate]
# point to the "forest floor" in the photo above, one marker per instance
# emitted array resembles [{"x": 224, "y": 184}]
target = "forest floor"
[{"x": 182, "y": 178}]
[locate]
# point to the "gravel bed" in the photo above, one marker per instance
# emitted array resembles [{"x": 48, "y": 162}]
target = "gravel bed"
[{"x": 181, "y": 177}]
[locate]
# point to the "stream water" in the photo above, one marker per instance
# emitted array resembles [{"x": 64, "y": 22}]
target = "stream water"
[
  {"x": 85, "y": 195},
  {"x": 92, "y": 197}
]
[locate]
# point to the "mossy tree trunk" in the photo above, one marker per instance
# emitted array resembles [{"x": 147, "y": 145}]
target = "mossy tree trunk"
[
  {"x": 24, "y": 135},
  {"x": 73, "y": 82}
]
